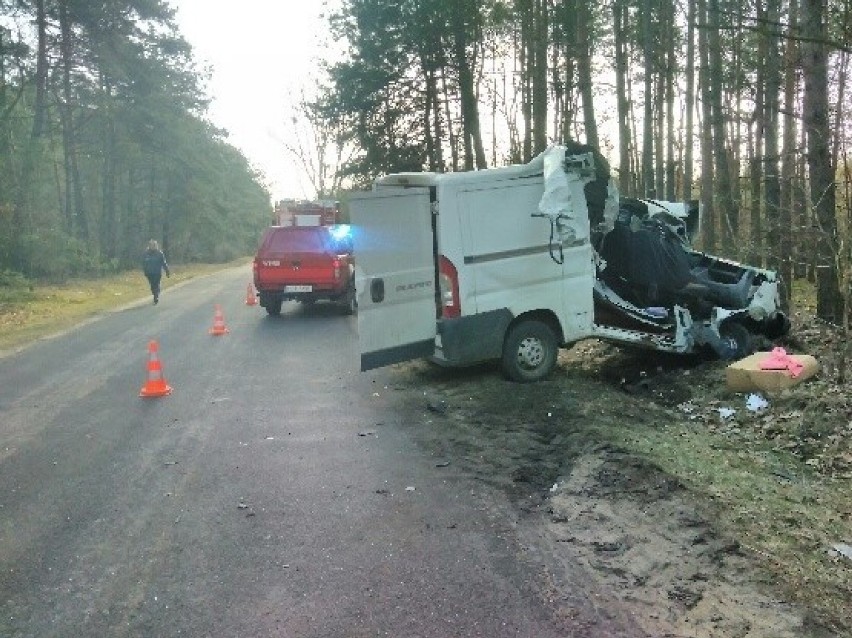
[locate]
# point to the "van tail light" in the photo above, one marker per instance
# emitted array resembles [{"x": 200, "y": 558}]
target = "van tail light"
[
  {"x": 449, "y": 288},
  {"x": 335, "y": 264},
  {"x": 254, "y": 268}
]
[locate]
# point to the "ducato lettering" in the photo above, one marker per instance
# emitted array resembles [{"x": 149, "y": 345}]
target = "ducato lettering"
[{"x": 414, "y": 286}]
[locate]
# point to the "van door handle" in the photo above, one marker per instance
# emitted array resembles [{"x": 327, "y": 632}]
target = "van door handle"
[{"x": 377, "y": 290}]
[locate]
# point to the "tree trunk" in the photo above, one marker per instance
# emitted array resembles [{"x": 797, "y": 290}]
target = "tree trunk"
[
  {"x": 526, "y": 56},
  {"x": 467, "y": 17},
  {"x": 108, "y": 216},
  {"x": 648, "y": 120},
  {"x": 621, "y": 99},
  {"x": 539, "y": 76},
  {"x": 40, "y": 106},
  {"x": 689, "y": 98},
  {"x": 815, "y": 115},
  {"x": 707, "y": 164},
  {"x": 724, "y": 188},
  {"x": 584, "y": 73},
  {"x": 755, "y": 252},
  {"x": 671, "y": 68},
  {"x": 772, "y": 187},
  {"x": 74, "y": 185},
  {"x": 788, "y": 160}
]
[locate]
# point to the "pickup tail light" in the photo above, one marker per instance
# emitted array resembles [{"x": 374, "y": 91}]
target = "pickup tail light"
[
  {"x": 449, "y": 288},
  {"x": 335, "y": 264}
]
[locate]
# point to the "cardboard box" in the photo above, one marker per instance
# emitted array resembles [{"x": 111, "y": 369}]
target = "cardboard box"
[{"x": 746, "y": 375}]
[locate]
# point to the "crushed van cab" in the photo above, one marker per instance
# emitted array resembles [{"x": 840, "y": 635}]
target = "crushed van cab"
[{"x": 509, "y": 264}]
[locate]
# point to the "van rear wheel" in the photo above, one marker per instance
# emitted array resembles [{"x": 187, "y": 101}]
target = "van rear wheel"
[
  {"x": 273, "y": 307},
  {"x": 529, "y": 352}
]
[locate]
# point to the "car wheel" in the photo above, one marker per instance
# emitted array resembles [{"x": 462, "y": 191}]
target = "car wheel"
[
  {"x": 273, "y": 308},
  {"x": 529, "y": 352},
  {"x": 350, "y": 303},
  {"x": 738, "y": 340}
]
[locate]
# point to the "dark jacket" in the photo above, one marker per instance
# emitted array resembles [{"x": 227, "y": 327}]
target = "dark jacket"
[{"x": 154, "y": 262}]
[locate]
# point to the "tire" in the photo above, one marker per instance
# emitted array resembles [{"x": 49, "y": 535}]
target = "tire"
[
  {"x": 738, "y": 338},
  {"x": 529, "y": 352},
  {"x": 273, "y": 308},
  {"x": 350, "y": 303}
]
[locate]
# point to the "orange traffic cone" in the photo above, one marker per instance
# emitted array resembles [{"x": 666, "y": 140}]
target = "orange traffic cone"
[
  {"x": 155, "y": 385},
  {"x": 251, "y": 298},
  {"x": 219, "y": 327}
]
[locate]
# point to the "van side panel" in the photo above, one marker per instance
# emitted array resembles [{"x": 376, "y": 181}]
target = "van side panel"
[{"x": 507, "y": 257}]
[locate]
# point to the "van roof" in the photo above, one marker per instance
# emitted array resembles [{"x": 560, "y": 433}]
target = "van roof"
[{"x": 530, "y": 169}]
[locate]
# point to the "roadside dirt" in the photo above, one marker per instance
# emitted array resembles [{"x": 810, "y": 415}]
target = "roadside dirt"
[{"x": 590, "y": 462}]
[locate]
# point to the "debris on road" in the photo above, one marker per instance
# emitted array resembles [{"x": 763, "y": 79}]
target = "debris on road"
[{"x": 438, "y": 408}]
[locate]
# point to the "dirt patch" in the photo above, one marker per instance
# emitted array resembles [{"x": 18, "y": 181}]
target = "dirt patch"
[
  {"x": 637, "y": 533},
  {"x": 620, "y": 465}
]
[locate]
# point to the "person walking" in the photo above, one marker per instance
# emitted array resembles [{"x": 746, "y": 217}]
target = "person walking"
[{"x": 153, "y": 265}]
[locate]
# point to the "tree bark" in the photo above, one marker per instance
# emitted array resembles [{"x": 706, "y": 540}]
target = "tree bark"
[
  {"x": 622, "y": 103},
  {"x": 40, "y": 106},
  {"x": 539, "y": 76},
  {"x": 689, "y": 100},
  {"x": 788, "y": 159},
  {"x": 671, "y": 69},
  {"x": 73, "y": 185},
  {"x": 816, "y": 123},
  {"x": 648, "y": 120},
  {"x": 584, "y": 73},
  {"x": 728, "y": 215},
  {"x": 756, "y": 161},
  {"x": 772, "y": 183},
  {"x": 707, "y": 164}
]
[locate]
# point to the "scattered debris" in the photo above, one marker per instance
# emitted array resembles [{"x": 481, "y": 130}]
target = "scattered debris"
[
  {"x": 439, "y": 408},
  {"x": 442, "y": 464},
  {"x": 726, "y": 413},
  {"x": 756, "y": 403},
  {"x": 843, "y": 549},
  {"x": 410, "y": 488},
  {"x": 367, "y": 433}
]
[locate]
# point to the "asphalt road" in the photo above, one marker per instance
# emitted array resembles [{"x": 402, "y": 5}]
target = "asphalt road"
[{"x": 269, "y": 495}]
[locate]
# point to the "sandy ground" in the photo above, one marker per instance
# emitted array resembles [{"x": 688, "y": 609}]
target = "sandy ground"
[{"x": 638, "y": 537}]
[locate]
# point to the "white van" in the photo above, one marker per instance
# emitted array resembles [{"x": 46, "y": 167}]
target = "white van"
[{"x": 502, "y": 264}]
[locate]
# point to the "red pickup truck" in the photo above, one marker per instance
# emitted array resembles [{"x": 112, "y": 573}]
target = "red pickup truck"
[{"x": 306, "y": 264}]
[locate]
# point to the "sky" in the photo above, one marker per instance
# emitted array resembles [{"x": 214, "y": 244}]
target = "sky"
[{"x": 262, "y": 54}]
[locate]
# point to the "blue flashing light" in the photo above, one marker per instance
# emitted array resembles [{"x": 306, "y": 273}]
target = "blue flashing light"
[{"x": 341, "y": 231}]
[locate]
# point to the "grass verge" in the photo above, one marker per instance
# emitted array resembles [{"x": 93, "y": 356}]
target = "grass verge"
[{"x": 31, "y": 312}]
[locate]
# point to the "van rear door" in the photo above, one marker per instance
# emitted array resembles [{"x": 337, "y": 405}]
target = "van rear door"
[{"x": 394, "y": 275}]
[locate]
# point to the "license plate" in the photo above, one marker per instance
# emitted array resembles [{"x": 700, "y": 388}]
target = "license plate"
[{"x": 298, "y": 288}]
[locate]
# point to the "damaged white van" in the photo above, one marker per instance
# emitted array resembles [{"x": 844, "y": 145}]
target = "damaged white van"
[{"x": 509, "y": 264}]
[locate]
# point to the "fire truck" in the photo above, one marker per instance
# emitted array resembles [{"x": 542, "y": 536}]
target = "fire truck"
[{"x": 292, "y": 212}]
